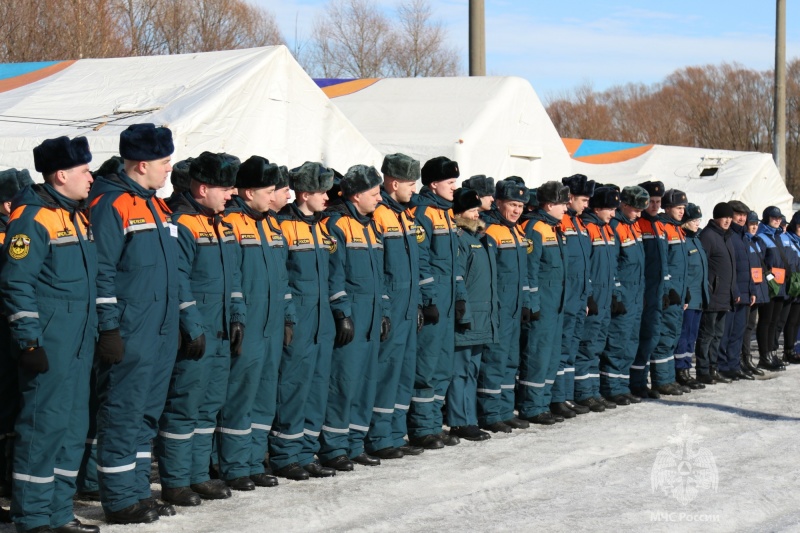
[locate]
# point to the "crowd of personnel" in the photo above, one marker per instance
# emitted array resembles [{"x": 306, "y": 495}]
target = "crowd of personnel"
[{"x": 235, "y": 338}]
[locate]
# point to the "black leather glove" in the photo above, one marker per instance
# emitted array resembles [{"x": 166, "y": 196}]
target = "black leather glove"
[
  {"x": 617, "y": 307},
  {"x": 592, "y": 306},
  {"x": 526, "y": 315},
  {"x": 421, "y": 318},
  {"x": 194, "y": 349},
  {"x": 688, "y": 297},
  {"x": 345, "y": 329},
  {"x": 110, "y": 348},
  {"x": 674, "y": 297},
  {"x": 288, "y": 333},
  {"x": 386, "y": 327},
  {"x": 34, "y": 360},
  {"x": 461, "y": 309},
  {"x": 466, "y": 326},
  {"x": 536, "y": 316},
  {"x": 430, "y": 314},
  {"x": 664, "y": 302},
  {"x": 237, "y": 336}
]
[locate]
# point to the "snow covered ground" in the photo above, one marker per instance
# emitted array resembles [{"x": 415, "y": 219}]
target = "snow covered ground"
[{"x": 730, "y": 452}]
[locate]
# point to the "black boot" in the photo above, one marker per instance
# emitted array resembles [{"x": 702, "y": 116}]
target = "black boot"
[
  {"x": 632, "y": 398},
  {"x": 388, "y": 453},
  {"x": 429, "y": 442},
  {"x": 469, "y": 433},
  {"x": 449, "y": 439},
  {"x": 315, "y": 469},
  {"x": 561, "y": 409},
  {"x": 579, "y": 409},
  {"x": 791, "y": 358},
  {"x": 292, "y": 471},
  {"x": 747, "y": 364},
  {"x": 545, "y": 419},
  {"x": 366, "y": 460},
  {"x": 684, "y": 377},
  {"x": 592, "y": 404},
  {"x": 161, "y": 508},
  {"x": 498, "y": 427},
  {"x": 408, "y": 449},
  {"x": 75, "y": 526},
  {"x": 183, "y": 496},
  {"x": 730, "y": 375},
  {"x": 264, "y": 480},
  {"x": 719, "y": 378},
  {"x": 669, "y": 389},
  {"x": 241, "y": 483},
  {"x": 213, "y": 489},
  {"x": 620, "y": 399},
  {"x": 138, "y": 513},
  {"x": 517, "y": 423},
  {"x": 743, "y": 374},
  {"x": 608, "y": 404}
]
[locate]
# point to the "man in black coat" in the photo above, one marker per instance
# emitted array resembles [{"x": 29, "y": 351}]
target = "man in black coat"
[{"x": 723, "y": 291}]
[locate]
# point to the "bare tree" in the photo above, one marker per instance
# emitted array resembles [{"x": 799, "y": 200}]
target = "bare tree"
[{"x": 420, "y": 44}]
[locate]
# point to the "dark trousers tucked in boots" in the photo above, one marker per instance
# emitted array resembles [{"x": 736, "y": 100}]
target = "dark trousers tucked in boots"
[{"x": 712, "y": 326}]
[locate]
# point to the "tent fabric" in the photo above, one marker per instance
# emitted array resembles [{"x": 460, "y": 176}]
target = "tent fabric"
[
  {"x": 243, "y": 102},
  {"x": 491, "y": 125}
]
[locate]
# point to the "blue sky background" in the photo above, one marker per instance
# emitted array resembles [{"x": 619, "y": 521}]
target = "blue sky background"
[{"x": 560, "y": 45}]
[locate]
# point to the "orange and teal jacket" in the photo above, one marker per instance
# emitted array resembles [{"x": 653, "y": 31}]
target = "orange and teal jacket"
[
  {"x": 510, "y": 248},
  {"x": 656, "y": 271},
  {"x": 547, "y": 260}
]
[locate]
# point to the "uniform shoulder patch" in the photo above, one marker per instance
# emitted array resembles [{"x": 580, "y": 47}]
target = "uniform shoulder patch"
[
  {"x": 420, "y": 233},
  {"x": 19, "y": 246}
]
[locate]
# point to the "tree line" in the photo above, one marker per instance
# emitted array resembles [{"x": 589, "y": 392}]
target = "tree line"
[{"x": 726, "y": 107}]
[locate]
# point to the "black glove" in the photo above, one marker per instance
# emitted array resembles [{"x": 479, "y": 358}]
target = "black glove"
[
  {"x": 386, "y": 327},
  {"x": 345, "y": 330},
  {"x": 430, "y": 314},
  {"x": 461, "y": 309},
  {"x": 194, "y": 348},
  {"x": 617, "y": 307},
  {"x": 237, "y": 336},
  {"x": 592, "y": 305},
  {"x": 526, "y": 315},
  {"x": 466, "y": 326},
  {"x": 110, "y": 348},
  {"x": 688, "y": 297},
  {"x": 288, "y": 333},
  {"x": 664, "y": 302},
  {"x": 536, "y": 316},
  {"x": 674, "y": 297},
  {"x": 34, "y": 360},
  {"x": 421, "y": 318}
]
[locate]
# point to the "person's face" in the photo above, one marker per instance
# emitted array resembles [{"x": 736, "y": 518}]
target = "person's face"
[
  {"x": 259, "y": 199},
  {"x": 404, "y": 190},
  {"x": 472, "y": 214},
  {"x": 675, "y": 212},
  {"x": 693, "y": 225},
  {"x": 156, "y": 172},
  {"x": 724, "y": 222},
  {"x": 215, "y": 197},
  {"x": 631, "y": 213},
  {"x": 316, "y": 201},
  {"x": 739, "y": 218},
  {"x": 486, "y": 202},
  {"x": 775, "y": 222},
  {"x": 605, "y": 213},
  {"x": 752, "y": 228},
  {"x": 280, "y": 198},
  {"x": 578, "y": 203},
  {"x": 366, "y": 202},
  {"x": 653, "y": 206},
  {"x": 77, "y": 182},
  {"x": 555, "y": 210},
  {"x": 510, "y": 209},
  {"x": 444, "y": 189}
]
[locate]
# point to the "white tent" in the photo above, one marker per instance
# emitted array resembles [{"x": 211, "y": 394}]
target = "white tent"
[
  {"x": 491, "y": 125},
  {"x": 707, "y": 176},
  {"x": 243, "y": 102}
]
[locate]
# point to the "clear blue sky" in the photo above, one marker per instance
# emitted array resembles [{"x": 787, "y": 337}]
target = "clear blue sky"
[{"x": 558, "y": 45}]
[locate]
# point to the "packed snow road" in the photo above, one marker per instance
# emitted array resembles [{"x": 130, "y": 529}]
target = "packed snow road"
[{"x": 721, "y": 459}]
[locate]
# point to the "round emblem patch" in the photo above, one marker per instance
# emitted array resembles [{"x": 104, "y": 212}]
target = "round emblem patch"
[
  {"x": 530, "y": 246},
  {"x": 19, "y": 246},
  {"x": 420, "y": 234}
]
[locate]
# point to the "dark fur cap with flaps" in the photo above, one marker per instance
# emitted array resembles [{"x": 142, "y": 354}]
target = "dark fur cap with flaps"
[
  {"x": 217, "y": 170},
  {"x": 552, "y": 192},
  {"x": 579, "y": 185},
  {"x": 359, "y": 178},
  {"x": 693, "y": 212},
  {"x": 284, "y": 180},
  {"x": 604, "y": 197},
  {"x": 635, "y": 196},
  {"x": 145, "y": 142},
  {"x": 110, "y": 166},
  {"x": 439, "y": 169},
  {"x": 257, "y": 173},
  {"x": 311, "y": 177},
  {"x": 61, "y": 153},
  {"x": 481, "y": 184},
  {"x": 509, "y": 189},
  {"x": 12, "y": 181},
  {"x": 674, "y": 198},
  {"x": 401, "y": 167},
  {"x": 653, "y": 188},
  {"x": 465, "y": 199},
  {"x": 180, "y": 179},
  {"x": 533, "y": 198}
]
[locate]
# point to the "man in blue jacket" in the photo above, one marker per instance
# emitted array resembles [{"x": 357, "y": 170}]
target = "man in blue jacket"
[
  {"x": 137, "y": 307},
  {"x": 48, "y": 286}
]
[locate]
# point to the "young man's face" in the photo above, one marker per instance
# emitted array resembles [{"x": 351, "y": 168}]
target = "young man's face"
[
  {"x": 444, "y": 189},
  {"x": 653, "y": 206},
  {"x": 510, "y": 209},
  {"x": 77, "y": 182},
  {"x": 578, "y": 203},
  {"x": 316, "y": 201}
]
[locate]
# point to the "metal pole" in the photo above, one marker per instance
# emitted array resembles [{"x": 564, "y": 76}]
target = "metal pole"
[
  {"x": 477, "y": 38},
  {"x": 779, "y": 138}
]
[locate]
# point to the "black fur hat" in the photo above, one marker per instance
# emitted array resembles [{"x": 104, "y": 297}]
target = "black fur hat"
[
  {"x": 439, "y": 169},
  {"x": 180, "y": 179},
  {"x": 359, "y": 178},
  {"x": 533, "y": 198},
  {"x": 674, "y": 198},
  {"x": 311, "y": 177},
  {"x": 214, "y": 169},
  {"x": 653, "y": 188},
  {"x": 112, "y": 165},
  {"x": 509, "y": 189},
  {"x": 481, "y": 184},
  {"x": 604, "y": 198},
  {"x": 61, "y": 153},
  {"x": 12, "y": 181},
  {"x": 284, "y": 180},
  {"x": 579, "y": 185},
  {"x": 552, "y": 192},
  {"x": 635, "y": 196},
  {"x": 692, "y": 212},
  {"x": 611, "y": 186},
  {"x": 465, "y": 199},
  {"x": 400, "y": 167},
  {"x": 739, "y": 207},
  {"x": 145, "y": 142},
  {"x": 256, "y": 173}
]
